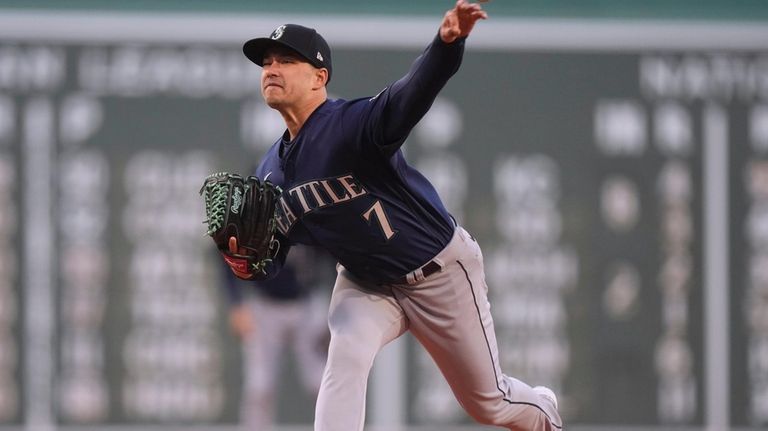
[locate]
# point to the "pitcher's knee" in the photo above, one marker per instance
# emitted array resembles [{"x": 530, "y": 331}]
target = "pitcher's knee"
[{"x": 351, "y": 352}]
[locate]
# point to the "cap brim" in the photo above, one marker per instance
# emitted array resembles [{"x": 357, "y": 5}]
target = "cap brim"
[{"x": 254, "y": 49}]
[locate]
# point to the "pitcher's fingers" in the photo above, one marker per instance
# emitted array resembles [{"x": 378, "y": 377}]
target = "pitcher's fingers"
[{"x": 233, "y": 245}]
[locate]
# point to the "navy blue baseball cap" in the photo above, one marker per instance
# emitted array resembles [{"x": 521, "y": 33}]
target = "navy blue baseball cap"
[{"x": 305, "y": 41}]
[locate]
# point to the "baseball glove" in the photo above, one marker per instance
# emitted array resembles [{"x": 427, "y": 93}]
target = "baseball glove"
[{"x": 244, "y": 209}]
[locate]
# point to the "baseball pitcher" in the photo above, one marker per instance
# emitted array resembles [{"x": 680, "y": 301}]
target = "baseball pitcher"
[{"x": 404, "y": 264}]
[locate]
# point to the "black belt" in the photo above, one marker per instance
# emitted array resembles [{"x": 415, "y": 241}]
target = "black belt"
[{"x": 426, "y": 270}]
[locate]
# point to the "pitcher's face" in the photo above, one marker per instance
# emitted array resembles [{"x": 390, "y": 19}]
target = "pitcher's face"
[{"x": 286, "y": 79}]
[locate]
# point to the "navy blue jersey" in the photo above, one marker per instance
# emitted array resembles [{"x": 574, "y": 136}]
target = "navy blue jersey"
[{"x": 348, "y": 188}]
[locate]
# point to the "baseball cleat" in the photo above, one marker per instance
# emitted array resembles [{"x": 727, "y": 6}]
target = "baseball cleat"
[{"x": 547, "y": 393}]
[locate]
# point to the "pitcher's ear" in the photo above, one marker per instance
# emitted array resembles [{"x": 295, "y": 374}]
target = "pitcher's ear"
[{"x": 322, "y": 76}]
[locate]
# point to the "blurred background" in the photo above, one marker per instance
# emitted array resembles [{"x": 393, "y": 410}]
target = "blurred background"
[{"x": 611, "y": 158}]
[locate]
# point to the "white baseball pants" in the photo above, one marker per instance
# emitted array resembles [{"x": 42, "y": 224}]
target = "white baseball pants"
[{"x": 449, "y": 314}]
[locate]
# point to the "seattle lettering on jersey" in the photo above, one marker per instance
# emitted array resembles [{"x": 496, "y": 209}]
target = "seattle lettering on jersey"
[{"x": 315, "y": 194}]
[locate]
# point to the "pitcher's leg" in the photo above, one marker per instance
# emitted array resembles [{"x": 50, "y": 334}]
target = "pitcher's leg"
[
  {"x": 360, "y": 324},
  {"x": 450, "y": 315}
]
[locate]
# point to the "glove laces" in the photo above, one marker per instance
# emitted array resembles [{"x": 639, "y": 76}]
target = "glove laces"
[{"x": 215, "y": 198}]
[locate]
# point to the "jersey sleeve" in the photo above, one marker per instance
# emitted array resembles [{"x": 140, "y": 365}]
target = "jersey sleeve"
[{"x": 392, "y": 114}]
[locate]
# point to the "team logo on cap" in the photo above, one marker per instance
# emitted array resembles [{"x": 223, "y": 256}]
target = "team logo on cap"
[
  {"x": 320, "y": 56},
  {"x": 278, "y": 33}
]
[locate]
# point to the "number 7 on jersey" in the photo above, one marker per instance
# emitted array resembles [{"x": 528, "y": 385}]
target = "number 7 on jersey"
[{"x": 377, "y": 212}]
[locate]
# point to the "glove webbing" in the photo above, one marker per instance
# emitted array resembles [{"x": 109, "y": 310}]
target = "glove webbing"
[{"x": 215, "y": 198}]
